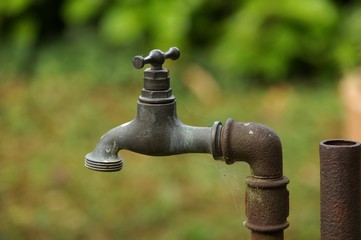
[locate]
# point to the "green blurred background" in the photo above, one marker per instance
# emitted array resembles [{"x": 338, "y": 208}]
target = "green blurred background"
[{"x": 66, "y": 78}]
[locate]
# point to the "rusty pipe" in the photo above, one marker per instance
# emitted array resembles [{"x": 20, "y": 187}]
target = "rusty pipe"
[
  {"x": 340, "y": 189},
  {"x": 267, "y": 198}
]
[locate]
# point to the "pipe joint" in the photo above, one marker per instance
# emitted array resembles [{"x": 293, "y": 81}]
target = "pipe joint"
[
  {"x": 267, "y": 204},
  {"x": 254, "y": 143}
]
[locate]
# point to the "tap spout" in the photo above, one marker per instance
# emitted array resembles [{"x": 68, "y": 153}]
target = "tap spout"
[{"x": 156, "y": 131}]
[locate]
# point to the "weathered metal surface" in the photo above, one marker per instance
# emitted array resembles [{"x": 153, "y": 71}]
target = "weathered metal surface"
[
  {"x": 267, "y": 204},
  {"x": 267, "y": 236},
  {"x": 254, "y": 143},
  {"x": 267, "y": 198},
  {"x": 340, "y": 189},
  {"x": 157, "y": 131},
  {"x": 156, "y": 58}
]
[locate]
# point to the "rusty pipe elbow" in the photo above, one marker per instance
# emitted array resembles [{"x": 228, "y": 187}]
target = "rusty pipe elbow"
[
  {"x": 267, "y": 198},
  {"x": 254, "y": 143}
]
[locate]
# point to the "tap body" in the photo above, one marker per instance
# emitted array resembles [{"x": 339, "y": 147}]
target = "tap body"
[{"x": 157, "y": 131}]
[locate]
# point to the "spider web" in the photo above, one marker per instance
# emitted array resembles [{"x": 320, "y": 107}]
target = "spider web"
[{"x": 233, "y": 176}]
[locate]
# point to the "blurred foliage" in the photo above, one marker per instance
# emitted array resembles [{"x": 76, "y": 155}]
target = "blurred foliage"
[
  {"x": 47, "y": 193},
  {"x": 54, "y": 54},
  {"x": 238, "y": 40}
]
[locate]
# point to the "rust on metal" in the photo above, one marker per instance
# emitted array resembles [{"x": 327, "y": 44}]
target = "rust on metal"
[
  {"x": 267, "y": 204},
  {"x": 267, "y": 236},
  {"x": 254, "y": 143},
  {"x": 340, "y": 189},
  {"x": 267, "y": 198}
]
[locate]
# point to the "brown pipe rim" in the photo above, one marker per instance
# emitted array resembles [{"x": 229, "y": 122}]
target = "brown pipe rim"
[{"x": 334, "y": 143}]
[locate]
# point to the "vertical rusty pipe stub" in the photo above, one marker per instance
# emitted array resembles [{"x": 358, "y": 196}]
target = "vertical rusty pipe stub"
[
  {"x": 267, "y": 205},
  {"x": 340, "y": 189},
  {"x": 267, "y": 236}
]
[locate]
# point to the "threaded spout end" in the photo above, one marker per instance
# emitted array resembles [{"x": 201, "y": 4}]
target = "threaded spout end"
[{"x": 104, "y": 166}]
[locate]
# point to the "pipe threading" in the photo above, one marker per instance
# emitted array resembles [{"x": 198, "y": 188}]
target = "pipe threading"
[
  {"x": 340, "y": 189},
  {"x": 111, "y": 166}
]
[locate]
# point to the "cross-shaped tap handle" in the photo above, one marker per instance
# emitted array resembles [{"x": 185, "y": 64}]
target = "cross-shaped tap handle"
[{"x": 156, "y": 58}]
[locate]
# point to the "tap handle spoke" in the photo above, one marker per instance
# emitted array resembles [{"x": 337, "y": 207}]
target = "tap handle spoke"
[{"x": 156, "y": 58}]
